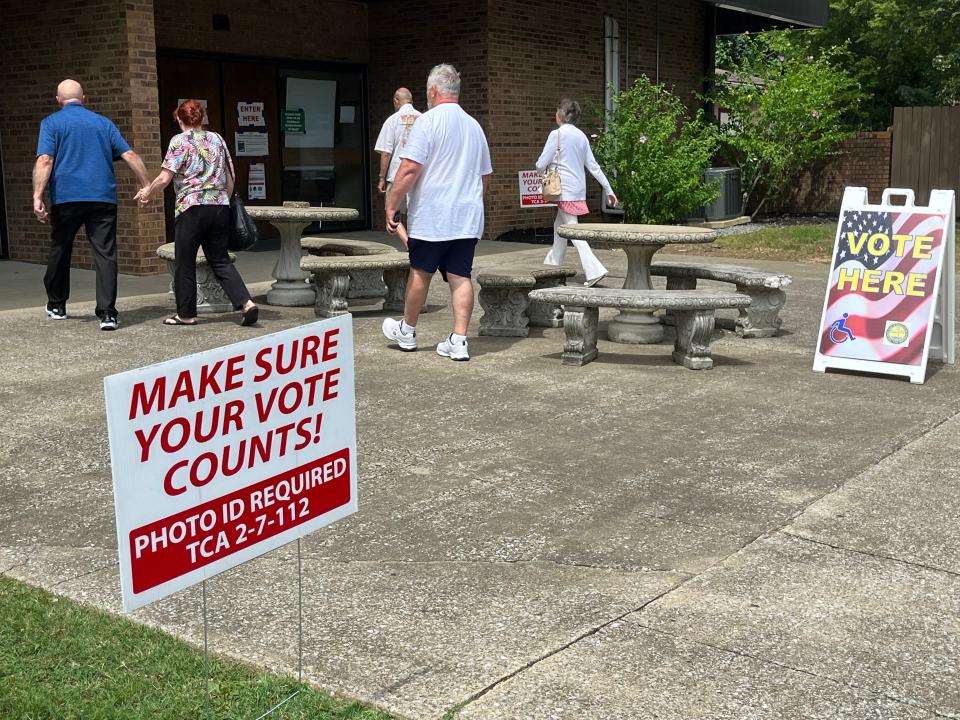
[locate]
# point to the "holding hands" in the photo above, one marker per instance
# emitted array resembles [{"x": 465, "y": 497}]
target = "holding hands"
[
  {"x": 159, "y": 183},
  {"x": 143, "y": 195}
]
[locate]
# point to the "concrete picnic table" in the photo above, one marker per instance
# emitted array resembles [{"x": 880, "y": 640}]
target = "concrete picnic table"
[
  {"x": 291, "y": 288},
  {"x": 639, "y": 242}
]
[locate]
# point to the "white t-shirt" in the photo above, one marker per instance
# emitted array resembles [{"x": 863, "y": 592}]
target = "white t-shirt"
[
  {"x": 394, "y": 134},
  {"x": 446, "y": 203}
]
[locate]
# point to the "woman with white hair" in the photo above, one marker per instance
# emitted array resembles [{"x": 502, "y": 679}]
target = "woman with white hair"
[{"x": 571, "y": 148}]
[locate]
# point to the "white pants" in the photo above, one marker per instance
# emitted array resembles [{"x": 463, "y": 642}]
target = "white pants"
[{"x": 592, "y": 267}]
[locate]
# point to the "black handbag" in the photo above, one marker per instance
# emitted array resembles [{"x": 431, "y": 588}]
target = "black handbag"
[{"x": 243, "y": 233}]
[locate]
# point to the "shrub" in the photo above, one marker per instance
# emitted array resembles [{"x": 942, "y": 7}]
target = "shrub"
[
  {"x": 655, "y": 153},
  {"x": 784, "y": 111}
]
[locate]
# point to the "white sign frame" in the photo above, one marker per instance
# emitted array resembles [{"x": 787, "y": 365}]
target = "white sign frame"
[
  {"x": 318, "y": 449},
  {"x": 942, "y": 324},
  {"x": 523, "y": 176}
]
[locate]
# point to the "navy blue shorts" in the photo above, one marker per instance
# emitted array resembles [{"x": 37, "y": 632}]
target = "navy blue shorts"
[{"x": 447, "y": 256}]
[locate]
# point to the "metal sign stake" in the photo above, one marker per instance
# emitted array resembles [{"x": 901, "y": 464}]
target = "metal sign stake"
[
  {"x": 298, "y": 693},
  {"x": 206, "y": 655}
]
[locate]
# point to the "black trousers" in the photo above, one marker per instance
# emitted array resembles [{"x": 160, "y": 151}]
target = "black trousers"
[
  {"x": 99, "y": 220},
  {"x": 204, "y": 226}
]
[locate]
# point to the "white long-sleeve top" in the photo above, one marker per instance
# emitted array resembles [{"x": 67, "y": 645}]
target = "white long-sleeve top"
[{"x": 575, "y": 155}]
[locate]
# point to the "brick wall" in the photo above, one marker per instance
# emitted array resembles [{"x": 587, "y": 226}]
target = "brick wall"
[
  {"x": 864, "y": 162},
  {"x": 517, "y": 60},
  {"x": 543, "y": 50},
  {"x": 408, "y": 38},
  {"x": 107, "y": 45},
  {"x": 334, "y": 30}
]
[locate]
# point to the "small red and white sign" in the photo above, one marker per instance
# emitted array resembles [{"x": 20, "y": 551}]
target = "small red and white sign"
[
  {"x": 224, "y": 455},
  {"x": 531, "y": 190},
  {"x": 250, "y": 114}
]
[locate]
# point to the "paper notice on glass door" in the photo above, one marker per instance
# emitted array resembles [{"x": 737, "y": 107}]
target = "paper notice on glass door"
[
  {"x": 252, "y": 144},
  {"x": 257, "y": 182},
  {"x": 250, "y": 113}
]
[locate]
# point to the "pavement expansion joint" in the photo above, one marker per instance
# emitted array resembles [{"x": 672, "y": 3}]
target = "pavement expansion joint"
[
  {"x": 877, "y": 556},
  {"x": 94, "y": 571},
  {"x": 11, "y": 568},
  {"x": 791, "y": 668},
  {"x": 519, "y": 561},
  {"x": 952, "y": 413},
  {"x": 452, "y": 712}
]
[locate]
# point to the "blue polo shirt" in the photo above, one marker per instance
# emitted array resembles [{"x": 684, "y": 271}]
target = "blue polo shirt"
[{"x": 84, "y": 146}]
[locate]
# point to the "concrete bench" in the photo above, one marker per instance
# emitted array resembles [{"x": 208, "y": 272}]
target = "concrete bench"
[
  {"x": 331, "y": 278},
  {"x": 210, "y": 295},
  {"x": 507, "y": 309},
  {"x": 693, "y": 311},
  {"x": 363, "y": 283},
  {"x": 762, "y": 317}
]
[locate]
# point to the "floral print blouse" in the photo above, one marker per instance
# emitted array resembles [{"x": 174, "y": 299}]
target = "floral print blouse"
[{"x": 199, "y": 161}]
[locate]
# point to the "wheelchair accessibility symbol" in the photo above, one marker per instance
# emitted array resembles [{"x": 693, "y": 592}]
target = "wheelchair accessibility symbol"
[{"x": 839, "y": 332}]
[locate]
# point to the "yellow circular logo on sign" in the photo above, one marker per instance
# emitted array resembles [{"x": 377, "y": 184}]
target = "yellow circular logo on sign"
[{"x": 897, "y": 333}]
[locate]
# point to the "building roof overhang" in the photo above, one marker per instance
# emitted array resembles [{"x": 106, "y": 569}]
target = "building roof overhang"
[{"x": 767, "y": 14}]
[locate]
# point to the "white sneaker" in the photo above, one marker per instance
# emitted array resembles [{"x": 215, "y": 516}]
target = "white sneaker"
[
  {"x": 453, "y": 350},
  {"x": 391, "y": 331}
]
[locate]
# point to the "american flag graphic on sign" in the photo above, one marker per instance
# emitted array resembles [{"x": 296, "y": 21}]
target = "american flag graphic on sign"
[{"x": 882, "y": 286}]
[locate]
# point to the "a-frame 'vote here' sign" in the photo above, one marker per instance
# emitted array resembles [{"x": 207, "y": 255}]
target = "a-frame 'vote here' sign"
[{"x": 890, "y": 300}]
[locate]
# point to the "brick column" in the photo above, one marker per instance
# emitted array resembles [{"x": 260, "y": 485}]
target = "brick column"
[{"x": 108, "y": 46}]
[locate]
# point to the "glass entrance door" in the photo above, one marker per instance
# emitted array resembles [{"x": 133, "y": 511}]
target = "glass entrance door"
[
  {"x": 323, "y": 133},
  {"x": 309, "y": 121}
]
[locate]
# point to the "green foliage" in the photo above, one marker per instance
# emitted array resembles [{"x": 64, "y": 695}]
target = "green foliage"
[
  {"x": 655, "y": 154},
  {"x": 784, "y": 111},
  {"x": 62, "y": 660},
  {"x": 903, "y": 52}
]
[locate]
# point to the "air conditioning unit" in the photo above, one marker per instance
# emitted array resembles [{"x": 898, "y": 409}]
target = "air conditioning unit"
[{"x": 730, "y": 200}]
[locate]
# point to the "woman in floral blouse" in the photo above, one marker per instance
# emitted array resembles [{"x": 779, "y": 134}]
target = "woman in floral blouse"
[{"x": 200, "y": 164}]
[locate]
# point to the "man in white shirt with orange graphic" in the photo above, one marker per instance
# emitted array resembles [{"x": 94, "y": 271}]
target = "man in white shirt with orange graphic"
[{"x": 393, "y": 138}]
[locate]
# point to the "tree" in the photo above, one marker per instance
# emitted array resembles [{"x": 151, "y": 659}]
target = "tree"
[
  {"x": 903, "y": 52},
  {"x": 783, "y": 111},
  {"x": 655, "y": 154}
]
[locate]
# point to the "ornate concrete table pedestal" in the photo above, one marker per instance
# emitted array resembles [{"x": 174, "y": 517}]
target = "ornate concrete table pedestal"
[
  {"x": 291, "y": 287},
  {"x": 639, "y": 242}
]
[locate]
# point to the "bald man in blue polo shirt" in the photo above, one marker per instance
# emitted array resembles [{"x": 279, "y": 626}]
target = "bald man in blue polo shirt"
[{"x": 75, "y": 154}]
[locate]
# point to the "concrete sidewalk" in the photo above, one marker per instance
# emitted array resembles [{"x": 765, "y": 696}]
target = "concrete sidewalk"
[{"x": 629, "y": 539}]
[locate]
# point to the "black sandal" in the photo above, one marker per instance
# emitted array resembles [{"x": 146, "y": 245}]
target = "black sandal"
[
  {"x": 175, "y": 320},
  {"x": 250, "y": 316}
]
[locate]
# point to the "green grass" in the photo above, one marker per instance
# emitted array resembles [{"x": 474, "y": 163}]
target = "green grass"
[
  {"x": 61, "y": 660},
  {"x": 800, "y": 243}
]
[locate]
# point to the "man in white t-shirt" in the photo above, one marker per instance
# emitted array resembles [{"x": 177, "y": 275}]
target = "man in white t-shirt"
[
  {"x": 444, "y": 169},
  {"x": 393, "y": 137}
]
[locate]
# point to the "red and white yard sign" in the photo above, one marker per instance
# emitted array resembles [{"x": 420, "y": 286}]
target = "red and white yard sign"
[
  {"x": 531, "y": 190},
  {"x": 224, "y": 455}
]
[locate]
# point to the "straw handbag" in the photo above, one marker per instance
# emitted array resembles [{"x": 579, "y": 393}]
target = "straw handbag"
[{"x": 552, "y": 189}]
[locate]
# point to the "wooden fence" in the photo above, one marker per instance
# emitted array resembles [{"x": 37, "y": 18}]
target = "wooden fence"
[{"x": 926, "y": 150}]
